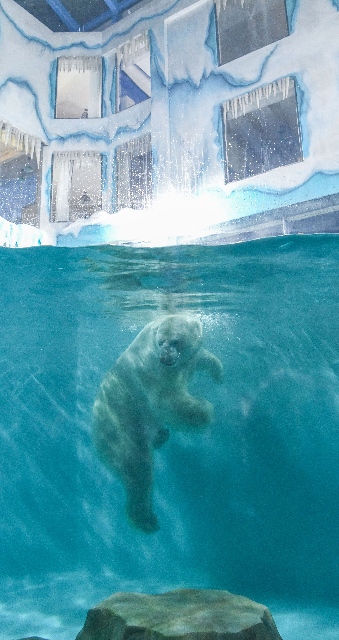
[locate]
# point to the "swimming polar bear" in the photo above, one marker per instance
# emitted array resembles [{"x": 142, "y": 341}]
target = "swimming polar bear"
[{"x": 143, "y": 394}]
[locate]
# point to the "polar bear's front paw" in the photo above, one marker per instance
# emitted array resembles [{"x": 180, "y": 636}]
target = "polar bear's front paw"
[
  {"x": 195, "y": 413},
  {"x": 142, "y": 519},
  {"x": 161, "y": 437}
]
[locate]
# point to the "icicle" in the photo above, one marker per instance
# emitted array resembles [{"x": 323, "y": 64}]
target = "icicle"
[
  {"x": 26, "y": 143},
  {"x": 223, "y": 4},
  {"x": 243, "y": 104},
  {"x": 38, "y": 151},
  {"x": 285, "y": 87},
  {"x": 32, "y": 141},
  {"x": 79, "y": 63},
  {"x": 235, "y": 107},
  {"x": 133, "y": 51},
  {"x": 8, "y": 130},
  {"x": 18, "y": 140},
  {"x": 258, "y": 96},
  {"x": 128, "y": 51}
]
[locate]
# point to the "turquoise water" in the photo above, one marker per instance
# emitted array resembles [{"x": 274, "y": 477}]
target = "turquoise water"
[{"x": 249, "y": 505}]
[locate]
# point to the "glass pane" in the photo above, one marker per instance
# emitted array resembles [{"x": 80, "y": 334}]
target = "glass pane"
[
  {"x": 134, "y": 173},
  {"x": 246, "y": 25},
  {"x": 262, "y": 138},
  {"x": 134, "y": 83},
  {"x": 79, "y": 87},
  {"x": 18, "y": 186},
  {"x": 76, "y": 185}
]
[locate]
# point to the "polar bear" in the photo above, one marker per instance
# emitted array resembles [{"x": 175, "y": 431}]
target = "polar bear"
[{"x": 144, "y": 394}]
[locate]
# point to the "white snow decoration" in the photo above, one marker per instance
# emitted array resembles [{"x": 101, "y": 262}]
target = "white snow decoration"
[
  {"x": 246, "y": 101},
  {"x": 101, "y": 218},
  {"x": 80, "y": 63},
  {"x": 20, "y": 140},
  {"x": 20, "y": 235},
  {"x": 128, "y": 51}
]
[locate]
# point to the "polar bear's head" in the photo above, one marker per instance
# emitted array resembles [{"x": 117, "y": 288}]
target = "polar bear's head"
[{"x": 178, "y": 338}]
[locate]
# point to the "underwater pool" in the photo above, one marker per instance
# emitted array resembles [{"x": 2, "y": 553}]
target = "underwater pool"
[{"x": 248, "y": 504}]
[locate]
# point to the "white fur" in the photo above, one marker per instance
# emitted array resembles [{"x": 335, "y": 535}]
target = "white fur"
[{"x": 144, "y": 393}]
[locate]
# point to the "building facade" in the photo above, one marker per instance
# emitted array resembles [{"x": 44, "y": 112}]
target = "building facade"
[{"x": 216, "y": 119}]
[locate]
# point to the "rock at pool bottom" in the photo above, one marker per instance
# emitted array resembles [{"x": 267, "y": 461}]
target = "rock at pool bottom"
[{"x": 184, "y": 614}]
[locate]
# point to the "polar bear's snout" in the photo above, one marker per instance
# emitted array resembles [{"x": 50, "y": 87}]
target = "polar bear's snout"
[{"x": 169, "y": 353}]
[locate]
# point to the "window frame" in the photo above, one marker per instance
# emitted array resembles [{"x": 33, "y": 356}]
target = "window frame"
[
  {"x": 53, "y": 194},
  {"x": 89, "y": 62},
  {"x": 250, "y": 103},
  {"x": 127, "y": 50},
  {"x": 218, "y": 7},
  {"x": 141, "y": 146}
]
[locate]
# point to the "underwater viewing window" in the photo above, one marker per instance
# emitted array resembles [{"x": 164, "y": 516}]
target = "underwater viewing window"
[
  {"x": 134, "y": 72},
  {"x": 247, "y": 25},
  {"x": 76, "y": 185},
  {"x": 261, "y": 130},
  {"x": 133, "y": 162},
  {"x": 79, "y": 87}
]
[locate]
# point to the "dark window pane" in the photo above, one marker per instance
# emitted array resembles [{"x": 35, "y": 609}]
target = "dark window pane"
[
  {"x": 264, "y": 134},
  {"x": 133, "y": 162},
  {"x": 247, "y": 25},
  {"x": 141, "y": 180}
]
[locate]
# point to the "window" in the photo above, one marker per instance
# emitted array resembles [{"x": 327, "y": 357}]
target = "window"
[
  {"x": 76, "y": 185},
  {"x": 261, "y": 130},
  {"x": 20, "y": 177},
  {"x": 79, "y": 87},
  {"x": 133, "y": 162},
  {"x": 134, "y": 72},
  {"x": 246, "y": 25}
]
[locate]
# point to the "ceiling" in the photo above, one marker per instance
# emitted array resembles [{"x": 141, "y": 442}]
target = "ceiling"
[{"x": 77, "y": 15}]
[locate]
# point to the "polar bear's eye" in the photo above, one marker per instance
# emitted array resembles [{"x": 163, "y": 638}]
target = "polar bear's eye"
[{"x": 176, "y": 343}]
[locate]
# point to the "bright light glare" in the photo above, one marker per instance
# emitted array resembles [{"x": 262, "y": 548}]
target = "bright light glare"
[{"x": 172, "y": 219}]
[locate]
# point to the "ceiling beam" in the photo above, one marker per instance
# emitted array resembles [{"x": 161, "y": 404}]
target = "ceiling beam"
[
  {"x": 114, "y": 8},
  {"x": 63, "y": 14},
  {"x": 96, "y": 22},
  {"x": 126, "y": 3}
]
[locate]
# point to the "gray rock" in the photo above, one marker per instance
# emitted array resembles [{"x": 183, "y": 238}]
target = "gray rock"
[{"x": 184, "y": 614}]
